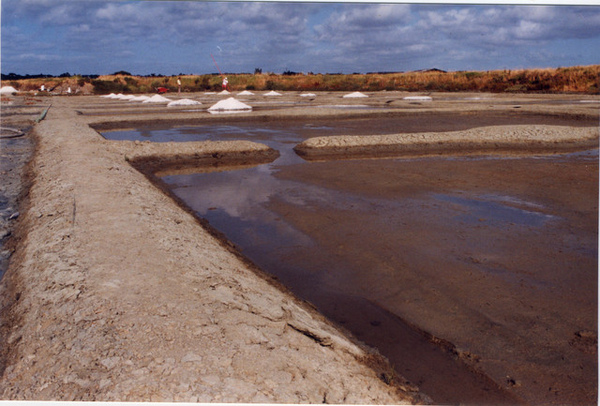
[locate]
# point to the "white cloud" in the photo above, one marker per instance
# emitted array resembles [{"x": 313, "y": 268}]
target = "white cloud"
[
  {"x": 38, "y": 57},
  {"x": 483, "y": 26},
  {"x": 297, "y": 36}
]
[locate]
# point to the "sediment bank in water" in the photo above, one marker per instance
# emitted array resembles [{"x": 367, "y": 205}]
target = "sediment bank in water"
[{"x": 483, "y": 140}]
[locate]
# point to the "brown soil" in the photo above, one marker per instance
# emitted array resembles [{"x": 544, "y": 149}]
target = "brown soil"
[
  {"x": 116, "y": 292},
  {"x": 520, "y": 318}
]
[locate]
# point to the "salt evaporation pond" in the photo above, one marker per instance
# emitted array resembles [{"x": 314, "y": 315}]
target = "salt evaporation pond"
[{"x": 384, "y": 246}]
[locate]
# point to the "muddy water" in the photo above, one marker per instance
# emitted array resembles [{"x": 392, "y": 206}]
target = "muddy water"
[
  {"x": 14, "y": 153},
  {"x": 16, "y": 148},
  {"x": 477, "y": 278}
]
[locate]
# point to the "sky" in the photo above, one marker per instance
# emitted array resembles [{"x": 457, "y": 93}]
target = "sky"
[{"x": 179, "y": 37}]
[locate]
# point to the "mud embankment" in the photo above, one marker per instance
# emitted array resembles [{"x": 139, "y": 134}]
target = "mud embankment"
[{"x": 117, "y": 294}]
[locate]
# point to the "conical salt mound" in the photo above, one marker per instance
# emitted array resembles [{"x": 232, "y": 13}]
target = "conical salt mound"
[
  {"x": 245, "y": 93},
  {"x": 229, "y": 104},
  {"x": 8, "y": 90},
  {"x": 356, "y": 94},
  {"x": 272, "y": 93},
  {"x": 140, "y": 98},
  {"x": 225, "y": 92},
  {"x": 157, "y": 98},
  {"x": 183, "y": 102}
]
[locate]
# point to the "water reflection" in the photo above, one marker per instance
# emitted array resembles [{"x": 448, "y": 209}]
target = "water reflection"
[{"x": 496, "y": 209}]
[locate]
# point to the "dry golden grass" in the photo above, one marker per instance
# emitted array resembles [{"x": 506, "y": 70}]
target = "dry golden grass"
[{"x": 577, "y": 79}]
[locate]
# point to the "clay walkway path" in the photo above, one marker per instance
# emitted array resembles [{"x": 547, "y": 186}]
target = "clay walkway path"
[{"x": 118, "y": 294}]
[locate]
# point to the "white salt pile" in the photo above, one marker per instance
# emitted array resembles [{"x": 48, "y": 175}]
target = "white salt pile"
[
  {"x": 225, "y": 92},
  {"x": 245, "y": 93},
  {"x": 183, "y": 102},
  {"x": 230, "y": 104},
  {"x": 8, "y": 90},
  {"x": 307, "y": 95},
  {"x": 140, "y": 98},
  {"x": 272, "y": 93},
  {"x": 126, "y": 97},
  {"x": 157, "y": 98},
  {"x": 109, "y": 96},
  {"x": 418, "y": 98},
  {"x": 355, "y": 94}
]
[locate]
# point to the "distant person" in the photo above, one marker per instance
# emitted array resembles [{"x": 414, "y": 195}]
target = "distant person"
[
  {"x": 225, "y": 83},
  {"x": 179, "y": 85},
  {"x": 43, "y": 88}
]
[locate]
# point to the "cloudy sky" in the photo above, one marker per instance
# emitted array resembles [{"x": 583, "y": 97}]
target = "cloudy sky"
[{"x": 172, "y": 37}]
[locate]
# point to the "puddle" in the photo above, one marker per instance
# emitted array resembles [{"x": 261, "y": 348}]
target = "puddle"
[{"x": 499, "y": 210}]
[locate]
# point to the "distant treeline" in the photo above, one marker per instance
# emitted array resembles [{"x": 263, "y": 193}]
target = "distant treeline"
[
  {"x": 14, "y": 76},
  {"x": 577, "y": 79}
]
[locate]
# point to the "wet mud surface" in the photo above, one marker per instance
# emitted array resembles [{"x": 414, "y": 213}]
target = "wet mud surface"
[
  {"x": 16, "y": 149},
  {"x": 14, "y": 153},
  {"x": 496, "y": 257},
  {"x": 476, "y": 277}
]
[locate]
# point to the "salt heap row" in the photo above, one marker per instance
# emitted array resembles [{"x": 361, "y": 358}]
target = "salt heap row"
[
  {"x": 119, "y": 96},
  {"x": 144, "y": 99},
  {"x": 157, "y": 98},
  {"x": 230, "y": 104},
  {"x": 249, "y": 93}
]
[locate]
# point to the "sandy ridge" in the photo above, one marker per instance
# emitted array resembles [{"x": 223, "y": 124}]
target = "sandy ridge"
[
  {"x": 171, "y": 156},
  {"x": 116, "y": 293},
  {"x": 478, "y": 140}
]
